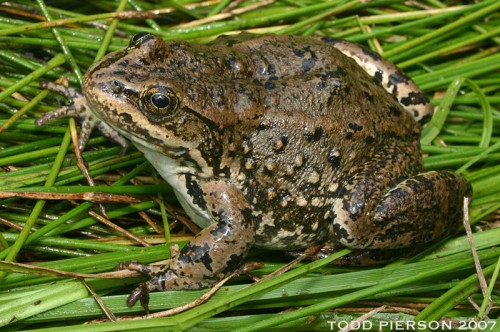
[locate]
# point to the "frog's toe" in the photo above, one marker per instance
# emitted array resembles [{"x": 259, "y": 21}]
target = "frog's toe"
[
  {"x": 63, "y": 112},
  {"x": 68, "y": 92},
  {"x": 141, "y": 293},
  {"x": 134, "y": 266}
]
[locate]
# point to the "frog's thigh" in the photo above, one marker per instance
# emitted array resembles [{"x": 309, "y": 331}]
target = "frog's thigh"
[{"x": 417, "y": 210}]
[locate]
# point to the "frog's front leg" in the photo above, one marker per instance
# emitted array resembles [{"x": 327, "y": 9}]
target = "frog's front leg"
[
  {"x": 79, "y": 108},
  {"x": 212, "y": 254},
  {"x": 418, "y": 210}
]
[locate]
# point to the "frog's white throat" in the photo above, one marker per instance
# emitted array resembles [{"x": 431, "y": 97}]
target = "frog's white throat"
[{"x": 175, "y": 174}]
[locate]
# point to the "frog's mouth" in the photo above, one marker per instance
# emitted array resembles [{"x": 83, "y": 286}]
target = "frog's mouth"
[
  {"x": 155, "y": 143},
  {"x": 175, "y": 160},
  {"x": 120, "y": 111},
  {"x": 128, "y": 127}
]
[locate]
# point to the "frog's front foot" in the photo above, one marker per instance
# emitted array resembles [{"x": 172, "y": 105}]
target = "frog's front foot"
[
  {"x": 213, "y": 254},
  {"x": 78, "y": 108}
]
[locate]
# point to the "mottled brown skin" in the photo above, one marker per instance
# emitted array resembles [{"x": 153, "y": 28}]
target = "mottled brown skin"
[{"x": 279, "y": 142}]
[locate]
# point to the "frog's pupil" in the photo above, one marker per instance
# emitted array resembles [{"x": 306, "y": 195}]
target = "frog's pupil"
[{"x": 160, "y": 100}]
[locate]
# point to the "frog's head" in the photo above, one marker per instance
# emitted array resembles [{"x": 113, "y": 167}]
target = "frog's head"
[{"x": 151, "y": 93}]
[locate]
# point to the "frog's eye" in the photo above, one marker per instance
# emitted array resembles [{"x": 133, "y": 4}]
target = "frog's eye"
[{"x": 159, "y": 101}]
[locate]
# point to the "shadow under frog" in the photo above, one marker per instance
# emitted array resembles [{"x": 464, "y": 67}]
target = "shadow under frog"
[{"x": 278, "y": 142}]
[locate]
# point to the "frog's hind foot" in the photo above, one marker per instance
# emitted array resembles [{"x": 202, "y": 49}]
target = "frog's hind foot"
[{"x": 141, "y": 292}]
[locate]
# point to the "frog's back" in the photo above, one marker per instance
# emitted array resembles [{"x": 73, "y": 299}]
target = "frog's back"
[
  {"x": 317, "y": 117},
  {"x": 304, "y": 81}
]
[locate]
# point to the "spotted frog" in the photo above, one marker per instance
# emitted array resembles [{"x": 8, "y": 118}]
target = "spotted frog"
[{"x": 276, "y": 142}]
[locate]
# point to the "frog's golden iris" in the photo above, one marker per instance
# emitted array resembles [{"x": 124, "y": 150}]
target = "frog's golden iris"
[{"x": 158, "y": 102}]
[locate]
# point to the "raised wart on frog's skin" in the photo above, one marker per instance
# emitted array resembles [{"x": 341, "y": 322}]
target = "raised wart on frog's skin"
[{"x": 278, "y": 142}]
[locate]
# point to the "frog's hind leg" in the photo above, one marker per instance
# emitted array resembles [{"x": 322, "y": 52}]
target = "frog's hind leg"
[
  {"x": 392, "y": 79},
  {"x": 415, "y": 211},
  {"x": 425, "y": 207}
]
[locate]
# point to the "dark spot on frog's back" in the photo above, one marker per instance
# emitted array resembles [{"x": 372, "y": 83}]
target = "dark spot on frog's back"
[
  {"x": 271, "y": 70},
  {"x": 136, "y": 65},
  {"x": 398, "y": 77},
  {"x": 355, "y": 126},
  {"x": 318, "y": 133},
  {"x": 269, "y": 85},
  {"x": 414, "y": 98},
  {"x": 369, "y": 96},
  {"x": 395, "y": 111},
  {"x": 334, "y": 74},
  {"x": 233, "y": 64},
  {"x": 123, "y": 63},
  {"x": 340, "y": 72},
  {"x": 298, "y": 52},
  {"x": 341, "y": 233},
  {"x": 309, "y": 136},
  {"x": 230, "y": 42},
  {"x": 308, "y": 64},
  {"x": 262, "y": 126},
  {"x": 374, "y": 55}
]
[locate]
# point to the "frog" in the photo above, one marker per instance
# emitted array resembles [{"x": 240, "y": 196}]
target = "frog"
[{"x": 271, "y": 141}]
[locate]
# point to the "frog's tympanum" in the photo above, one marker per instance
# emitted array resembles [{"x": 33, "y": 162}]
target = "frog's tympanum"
[{"x": 277, "y": 142}]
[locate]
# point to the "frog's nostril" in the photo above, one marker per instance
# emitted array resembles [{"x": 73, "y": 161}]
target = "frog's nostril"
[{"x": 116, "y": 86}]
